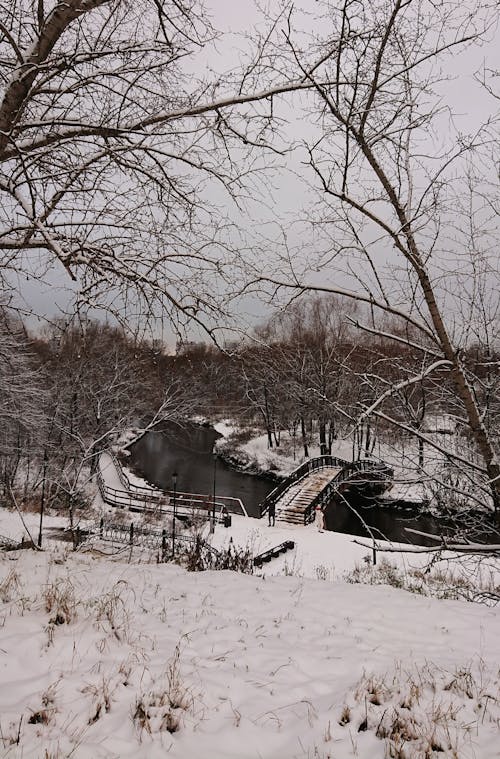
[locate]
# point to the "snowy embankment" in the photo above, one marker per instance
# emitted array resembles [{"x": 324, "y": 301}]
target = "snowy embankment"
[
  {"x": 118, "y": 657},
  {"x": 102, "y": 658},
  {"x": 327, "y": 554}
]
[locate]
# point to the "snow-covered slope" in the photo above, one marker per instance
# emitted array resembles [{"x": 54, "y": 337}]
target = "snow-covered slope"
[{"x": 104, "y": 658}]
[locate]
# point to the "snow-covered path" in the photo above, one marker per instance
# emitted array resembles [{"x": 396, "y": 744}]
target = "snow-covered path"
[{"x": 110, "y": 473}]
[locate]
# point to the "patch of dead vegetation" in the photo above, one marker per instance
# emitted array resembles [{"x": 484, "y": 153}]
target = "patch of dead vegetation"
[{"x": 425, "y": 712}]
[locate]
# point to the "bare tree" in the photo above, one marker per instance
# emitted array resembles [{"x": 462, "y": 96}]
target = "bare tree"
[
  {"x": 113, "y": 147},
  {"x": 100, "y": 382},
  {"x": 309, "y": 345},
  {"x": 22, "y": 400},
  {"x": 399, "y": 184}
]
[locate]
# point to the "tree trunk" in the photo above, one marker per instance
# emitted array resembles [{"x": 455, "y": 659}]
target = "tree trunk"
[
  {"x": 323, "y": 449},
  {"x": 304, "y": 437}
]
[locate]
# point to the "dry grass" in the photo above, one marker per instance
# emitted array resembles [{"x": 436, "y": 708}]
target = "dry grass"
[
  {"x": 425, "y": 712},
  {"x": 11, "y": 736},
  {"x": 112, "y": 612},
  {"x": 162, "y": 708},
  {"x": 10, "y": 587},
  {"x": 29, "y": 504},
  {"x": 60, "y": 602},
  {"x": 101, "y": 698},
  {"x": 452, "y": 581}
]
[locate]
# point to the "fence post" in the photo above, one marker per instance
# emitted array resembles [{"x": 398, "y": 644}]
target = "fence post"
[
  {"x": 131, "y": 534},
  {"x": 101, "y": 527},
  {"x": 163, "y": 543},
  {"x": 374, "y": 551}
]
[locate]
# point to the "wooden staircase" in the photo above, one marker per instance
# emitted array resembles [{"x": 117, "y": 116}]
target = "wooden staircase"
[{"x": 290, "y": 508}]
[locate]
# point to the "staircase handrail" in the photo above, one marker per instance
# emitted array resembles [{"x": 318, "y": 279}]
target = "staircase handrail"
[
  {"x": 320, "y": 462},
  {"x": 361, "y": 465}
]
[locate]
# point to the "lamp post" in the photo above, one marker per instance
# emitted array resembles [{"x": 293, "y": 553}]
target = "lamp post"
[
  {"x": 174, "y": 482},
  {"x": 42, "y": 502},
  {"x": 212, "y": 529}
]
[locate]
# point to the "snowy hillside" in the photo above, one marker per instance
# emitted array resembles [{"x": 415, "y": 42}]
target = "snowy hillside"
[{"x": 102, "y": 657}]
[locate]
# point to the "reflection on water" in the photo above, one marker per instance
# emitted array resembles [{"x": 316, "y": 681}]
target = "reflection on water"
[
  {"x": 187, "y": 450},
  {"x": 368, "y": 519}
]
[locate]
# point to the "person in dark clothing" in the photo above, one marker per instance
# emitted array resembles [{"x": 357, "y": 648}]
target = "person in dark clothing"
[{"x": 272, "y": 514}]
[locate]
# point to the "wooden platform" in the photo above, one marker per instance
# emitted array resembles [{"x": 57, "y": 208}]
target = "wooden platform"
[{"x": 293, "y": 503}]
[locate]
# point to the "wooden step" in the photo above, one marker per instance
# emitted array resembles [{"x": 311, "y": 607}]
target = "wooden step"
[{"x": 293, "y": 504}]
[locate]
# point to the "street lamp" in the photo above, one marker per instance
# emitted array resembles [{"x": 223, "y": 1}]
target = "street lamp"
[
  {"x": 212, "y": 529},
  {"x": 174, "y": 482},
  {"x": 42, "y": 502}
]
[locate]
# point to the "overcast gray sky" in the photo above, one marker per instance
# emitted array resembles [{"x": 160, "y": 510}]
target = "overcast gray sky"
[{"x": 49, "y": 296}]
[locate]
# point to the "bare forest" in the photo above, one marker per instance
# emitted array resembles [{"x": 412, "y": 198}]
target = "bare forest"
[{"x": 249, "y": 321}]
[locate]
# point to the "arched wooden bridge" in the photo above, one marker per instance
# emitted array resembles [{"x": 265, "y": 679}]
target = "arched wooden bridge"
[{"x": 316, "y": 481}]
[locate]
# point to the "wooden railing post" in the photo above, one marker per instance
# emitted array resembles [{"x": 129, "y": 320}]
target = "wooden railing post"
[{"x": 131, "y": 539}]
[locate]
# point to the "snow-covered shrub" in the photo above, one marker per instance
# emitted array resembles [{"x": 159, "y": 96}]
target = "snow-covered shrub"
[
  {"x": 425, "y": 712},
  {"x": 453, "y": 581},
  {"x": 60, "y": 602},
  {"x": 196, "y": 557},
  {"x": 384, "y": 573}
]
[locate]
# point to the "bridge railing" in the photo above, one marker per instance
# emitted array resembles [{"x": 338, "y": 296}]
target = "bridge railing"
[
  {"x": 137, "y": 498},
  {"x": 298, "y": 474},
  {"x": 375, "y": 468},
  {"x": 142, "y": 490},
  {"x": 323, "y": 497},
  {"x": 127, "y": 499}
]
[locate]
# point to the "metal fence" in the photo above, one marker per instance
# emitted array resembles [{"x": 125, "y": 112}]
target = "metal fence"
[
  {"x": 166, "y": 542},
  {"x": 139, "y": 498}
]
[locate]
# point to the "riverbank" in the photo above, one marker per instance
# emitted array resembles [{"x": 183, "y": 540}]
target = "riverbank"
[{"x": 244, "y": 467}]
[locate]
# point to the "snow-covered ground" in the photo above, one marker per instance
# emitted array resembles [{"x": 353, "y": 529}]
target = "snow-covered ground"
[
  {"x": 117, "y": 656},
  {"x": 106, "y": 654}
]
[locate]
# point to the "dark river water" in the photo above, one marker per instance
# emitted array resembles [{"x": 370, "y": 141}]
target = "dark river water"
[{"x": 188, "y": 451}]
